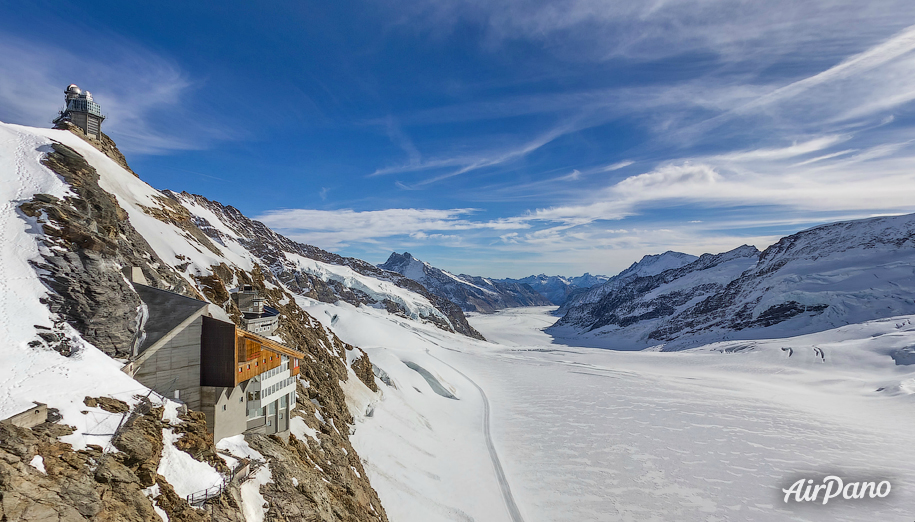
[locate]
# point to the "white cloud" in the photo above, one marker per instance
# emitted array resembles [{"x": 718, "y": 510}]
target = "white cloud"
[
  {"x": 617, "y": 166},
  {"x": 332, "y": 228},
  {"x": 791, "y": 151},
  {"x": 482, "y": 160},
  {"x": 732, "y": 29}
]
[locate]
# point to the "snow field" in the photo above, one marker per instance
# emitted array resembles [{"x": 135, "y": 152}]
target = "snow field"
[
  {"x": 712, "y": 433},
  {"x": 425, "y": 454}
]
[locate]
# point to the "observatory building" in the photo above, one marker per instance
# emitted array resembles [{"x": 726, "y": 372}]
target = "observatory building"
[{"x": 81, "y": 111}]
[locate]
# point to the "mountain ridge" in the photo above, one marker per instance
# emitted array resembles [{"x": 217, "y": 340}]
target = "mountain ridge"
[
  {"x": 470, "y": 293},
  {"x": 557, "y": 289},
  {"x": 813, "y": 280}
]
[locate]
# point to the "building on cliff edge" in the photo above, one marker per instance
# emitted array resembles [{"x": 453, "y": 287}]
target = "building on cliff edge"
[
  {"x": 241, "y": 381},
  {"x": 81, "y": 110}
]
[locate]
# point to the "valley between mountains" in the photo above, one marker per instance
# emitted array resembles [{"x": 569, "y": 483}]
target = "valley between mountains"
[{"x": 684, "y": 388}]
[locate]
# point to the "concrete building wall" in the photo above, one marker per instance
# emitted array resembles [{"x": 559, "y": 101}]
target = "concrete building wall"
[
  {"x": 90, "y": 123},
  {"x": 81, "y": 120},
  {"x": 179, "y": 361},
  {"x": 30, "y": 417},
  {"x": 225, "y": 410},
  {"x": 263, "y": 325}
]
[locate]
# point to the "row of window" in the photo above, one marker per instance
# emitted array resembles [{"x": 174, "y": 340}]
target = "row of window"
[
  {"x": 240, "y": 369},
  {"x": 272, "y": 407},
  {"x": 278, "y": 386}
]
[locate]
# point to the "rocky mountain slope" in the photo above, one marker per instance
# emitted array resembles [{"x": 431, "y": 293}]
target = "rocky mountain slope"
[
  {"x": 470, "y": 293},
  {"x": 317, "y": 274},
  {"x": 558, "y": 289},
  {"x": 73, "y": 219},
  {"x": 817, "y": 279}
]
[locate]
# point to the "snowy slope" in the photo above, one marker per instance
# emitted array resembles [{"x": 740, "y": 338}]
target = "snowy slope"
[
  {"x": 712, "y": 433},
  {"x": 169, "y": 223},
  {"x": 648, "y": 266},
  {"x": 471, "y": 293},
  {"x": 316, "y": 273},
  {"x": 36, "y": 373},
  {"x": 72, "y": 220},
  {"x": 32, "y": 372}
]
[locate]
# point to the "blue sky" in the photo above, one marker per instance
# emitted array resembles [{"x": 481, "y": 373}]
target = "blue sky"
[{"x": 495, "y": 138}]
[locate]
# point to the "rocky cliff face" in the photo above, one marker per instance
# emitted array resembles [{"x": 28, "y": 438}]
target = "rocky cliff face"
[
  {"x": 90, "y": 236},
  {"x": 89, "y": 239},
  {"x": 471, "y": 293},
  {"x": 43, "y": 479},
  {"x": 817, "y": 279}
]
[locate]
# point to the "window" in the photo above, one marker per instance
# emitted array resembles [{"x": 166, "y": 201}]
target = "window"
[
  {"x": 241, "y": 399},
  {"x": 223, "y": 407}
]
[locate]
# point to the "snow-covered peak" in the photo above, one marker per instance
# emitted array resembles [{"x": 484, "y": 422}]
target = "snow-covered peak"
[
  {"x": 816, "y": 279},
  {"x": 653, "y": 264},
  {"x": 471, "y": 293}
]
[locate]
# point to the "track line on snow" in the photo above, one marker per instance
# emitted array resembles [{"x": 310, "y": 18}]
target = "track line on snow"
[{"x": 513, "y": 510}]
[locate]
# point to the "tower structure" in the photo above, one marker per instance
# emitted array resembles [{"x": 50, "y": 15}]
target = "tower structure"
[{"x": 82, "y": 111}]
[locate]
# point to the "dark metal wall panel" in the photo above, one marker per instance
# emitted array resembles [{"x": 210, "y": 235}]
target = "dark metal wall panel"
[{"x": 217, "y": 353}]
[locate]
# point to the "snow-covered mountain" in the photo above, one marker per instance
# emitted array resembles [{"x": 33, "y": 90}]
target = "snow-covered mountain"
[
  {"x": 649, "y": 265},
  {"x": 471, "y": 293},
  {"x": 817, "y": 279},
  {"x": 318, "y": 274},
  {"x": 73, "y": 219},
  {"x": 558, "y": 288}
]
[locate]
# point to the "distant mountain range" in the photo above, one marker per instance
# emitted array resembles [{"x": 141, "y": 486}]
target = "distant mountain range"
[
  {"x": 557, "y": 289},
  {"x": 471, "y": 293},
  {"x": 814, "y": 280}
]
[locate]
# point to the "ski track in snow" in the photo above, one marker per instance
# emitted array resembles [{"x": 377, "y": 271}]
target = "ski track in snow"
[{"x": 510, "y": 504}]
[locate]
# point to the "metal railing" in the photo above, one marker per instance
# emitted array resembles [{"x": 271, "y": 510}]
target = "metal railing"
[{"x": 243, "y": 471}]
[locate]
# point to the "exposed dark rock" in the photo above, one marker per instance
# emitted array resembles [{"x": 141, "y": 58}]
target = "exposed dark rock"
[
  {"x": 77, "y": 485},
  {"x": 91, "y": 240},
  {"x": 141, "y": 441},
  {"x": 196, "y": 442},
  {"x": 363, "y": 369},
  {"x": 110, "y": 470},
  {"x": 94, "y": 240},
  {"x": 108, "y": 404},
  {"x": 102, "y": 143}
]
